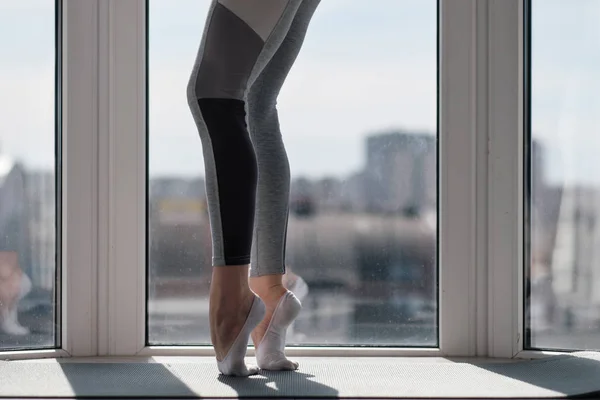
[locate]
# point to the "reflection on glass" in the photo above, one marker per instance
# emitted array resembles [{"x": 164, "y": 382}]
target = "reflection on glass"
[
  {"x": 358, "y": 115},
  {"x": 27, "y": 174},
  {"x": 563, "y": 281}
]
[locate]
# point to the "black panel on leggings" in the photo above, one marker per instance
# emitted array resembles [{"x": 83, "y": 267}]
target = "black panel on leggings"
[{"x": 235, "y": 163}]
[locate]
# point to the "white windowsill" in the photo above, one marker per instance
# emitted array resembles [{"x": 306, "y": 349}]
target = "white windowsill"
[
  {"x": 161, "y": 354},
  {"x": 209, "y": 359}
]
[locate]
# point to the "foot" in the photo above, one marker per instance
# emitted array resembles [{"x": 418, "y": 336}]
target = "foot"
[
  {"x": 15, "y": 329},
  {"x": 282, "y": 307},
  {"x": 232, "y": 318},
  {"x": 226, "y": 322},
  {"x": 10, "y": 325},
  {"x": 234, "y": 312},
  {"x": 232, "y": 361}
]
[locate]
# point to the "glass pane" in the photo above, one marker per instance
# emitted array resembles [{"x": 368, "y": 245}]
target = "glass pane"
[
  {"x": 563, "y": 303},
  {"x": 358, "y": 114},
  {"x": 27, "y": 174}
]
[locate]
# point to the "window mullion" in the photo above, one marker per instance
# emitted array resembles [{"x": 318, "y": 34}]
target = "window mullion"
[
  {"x": 505, "y": 177},
  {"x": 79, "y": 177},
  {"x": 482, "y": 117},
  {"x": 458, "y": 166},
  {"x": 124, "y": 186}
]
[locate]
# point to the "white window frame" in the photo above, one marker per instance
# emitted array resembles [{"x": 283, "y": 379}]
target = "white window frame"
[
  {"x": 79, "y": 195},
  {"x": 505, "y": 61},
  {"x": 480, "y": 192},
  {"x": 504, "y": 118},
  {"x": 80, "y": 130}
]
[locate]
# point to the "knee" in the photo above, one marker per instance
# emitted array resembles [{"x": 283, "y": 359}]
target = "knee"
[
  {"x": 193, "y": 95},
  {"x": 262, "y": 113}
]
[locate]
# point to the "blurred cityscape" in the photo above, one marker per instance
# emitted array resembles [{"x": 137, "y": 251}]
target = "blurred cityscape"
[
  {"x": 27, "y": 255},
  {"x": 364, "y": 243}
]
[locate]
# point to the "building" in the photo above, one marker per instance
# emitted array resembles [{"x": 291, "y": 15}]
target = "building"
[
  {"x": 354, "y": 197},
  {"x": 575, "y": 257},
  {"x": 400, "y": 172}
]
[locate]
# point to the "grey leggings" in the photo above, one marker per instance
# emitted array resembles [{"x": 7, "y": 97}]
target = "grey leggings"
[{"x": 246, "y": 52}]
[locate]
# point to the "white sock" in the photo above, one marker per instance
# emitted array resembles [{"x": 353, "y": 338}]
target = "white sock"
[
  {"x": 270, "y": 351},
  {"x": 11, "y": 325},
  {"x": 233, "y": 363}
]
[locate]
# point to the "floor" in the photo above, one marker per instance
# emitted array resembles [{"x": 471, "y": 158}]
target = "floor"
[{"x": 332, "y": 377}]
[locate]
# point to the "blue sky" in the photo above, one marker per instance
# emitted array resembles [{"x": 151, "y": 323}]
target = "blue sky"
[{"x": 365, "y": 66}]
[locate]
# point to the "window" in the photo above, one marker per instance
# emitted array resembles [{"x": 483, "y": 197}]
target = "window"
[
  {"x": 563, "y": 306},
  {"x": 29, "y": 127},
  {"x": 409, "y": 147},
  {"x": 360, "y": 126}
]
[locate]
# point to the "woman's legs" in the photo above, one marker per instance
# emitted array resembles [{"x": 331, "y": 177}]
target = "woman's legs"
[
  {"x": 239, "y": 38},
  {"x": 272, "y": 197}
]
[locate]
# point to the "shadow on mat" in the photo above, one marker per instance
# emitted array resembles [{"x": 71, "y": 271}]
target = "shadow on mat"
[
  {"x": 124, "y": 380},
  {"x": 154, "y": 380},
  {"x": 282, "y": 384},
  {"x": 566, "y": 378},
  {"x": 571, "y": 375}
]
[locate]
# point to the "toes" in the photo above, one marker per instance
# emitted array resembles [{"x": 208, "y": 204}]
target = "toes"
[
  {"x": 288, "y": 365},
  {"x": 239, "y": 370},
  {"x": 253, "y": 370},
  {"x": 282, "y": 365}
]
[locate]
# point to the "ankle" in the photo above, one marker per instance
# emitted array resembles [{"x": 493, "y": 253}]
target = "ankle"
[
  {"x": 272, "y": 293},
  {"x": 229, "y": 295},
  {"x": 223, "y": 292},
  {"x": 269, "y": 288},
  {"x": 230, "y": 278}
]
